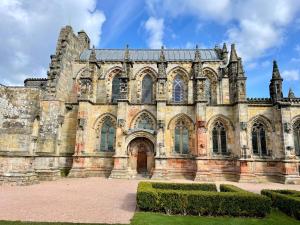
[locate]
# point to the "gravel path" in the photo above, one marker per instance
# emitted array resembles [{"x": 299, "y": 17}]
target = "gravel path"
[{"x": 84, "y": 200}]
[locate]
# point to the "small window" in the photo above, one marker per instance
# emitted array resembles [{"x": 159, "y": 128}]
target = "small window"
[{"x": 144, "y": 121}]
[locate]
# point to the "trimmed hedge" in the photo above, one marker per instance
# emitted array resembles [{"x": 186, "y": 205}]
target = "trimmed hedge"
[
  {"x": 178, "y": 186},
  {"x": 288, "y": 201},
  {"x": 199, "y": 202}
]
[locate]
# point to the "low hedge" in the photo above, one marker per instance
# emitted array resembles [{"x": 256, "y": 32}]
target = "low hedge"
[
  {"x": 199, "y": 202},
  {"x": 187, "y": 187},
  {"x": 287, "y": 201}
]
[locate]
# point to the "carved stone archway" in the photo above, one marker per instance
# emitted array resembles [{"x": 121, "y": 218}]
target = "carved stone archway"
[{"x": 141, "y": 156}]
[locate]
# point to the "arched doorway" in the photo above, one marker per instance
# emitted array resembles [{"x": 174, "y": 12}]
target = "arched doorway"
[{"x": 141, "y": 156}]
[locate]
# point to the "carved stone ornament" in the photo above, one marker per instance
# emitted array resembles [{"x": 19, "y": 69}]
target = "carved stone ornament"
[
  {"x": 85, "y": 87},
  {"x": 287, "y": 127},
  {"x": 121, "y": 123},
  {"x": 243, "y": 125},
  {"x": 81, "y": 123},
  {"x": 160, "y": 124}
]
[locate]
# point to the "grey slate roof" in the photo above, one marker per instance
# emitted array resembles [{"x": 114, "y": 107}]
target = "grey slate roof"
[{"x": 150, "y": 54}]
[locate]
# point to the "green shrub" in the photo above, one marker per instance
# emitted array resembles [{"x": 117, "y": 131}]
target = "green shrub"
[
  {"x": 178, "y": 186},
  {"x": 287, "y": 201},
  {"x": 230, "y": 188},
  {"x": 199, "y": 202}
]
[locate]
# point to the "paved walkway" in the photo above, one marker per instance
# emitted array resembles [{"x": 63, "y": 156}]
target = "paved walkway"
[{"x": 85, "y": 200}]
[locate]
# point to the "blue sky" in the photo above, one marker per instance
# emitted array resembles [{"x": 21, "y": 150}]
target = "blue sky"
[{"x": 263, "y": 30}]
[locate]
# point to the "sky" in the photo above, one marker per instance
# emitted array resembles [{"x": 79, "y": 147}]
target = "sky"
[{"x": 263, "y": 31}]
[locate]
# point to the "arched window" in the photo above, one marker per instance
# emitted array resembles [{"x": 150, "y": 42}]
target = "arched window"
[
  {"x": 147, "y": 89},
  {"x": 108, "y": 136},
  {"x": 296, "y": 132},
  {"x": 181, "y": 138},
  {"x": 219, "y": 138},
  {"x": 115, "y": 88},
  {"x": 259, "y": 146},
  {"x": 144, "y": 121},
  {"x": 178, "y": 90}
]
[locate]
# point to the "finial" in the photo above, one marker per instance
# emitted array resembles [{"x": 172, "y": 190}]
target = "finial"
[
  {"x": 224, "y": 49},
  {"x": 197, "y": 55},
  {"x": 241, "y": 72},
  {"x": 233, "y": 54},
  {"x": 275, "y": 72},
  {"x": 291, "y": 93},
  {"x": 93, "y": 57},
  {"x": 126, "y": 55},
  {"x": 162, "y": 54}
]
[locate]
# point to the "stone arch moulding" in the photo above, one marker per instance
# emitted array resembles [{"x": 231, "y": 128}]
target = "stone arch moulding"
[
  {"x": 133, "y": 121},
  {"x": 178, "y": 69},
  {"x": 145, "y": 70},
  {"x": 295, "y": 119},
  {"x": 99, "y": 121},
  {"x": 264, "y": 120},
  {"x": 140, "y": 134},
  {"x": 222, "y": 118},
  {"x": 109, "y": 76},
  {"x": 212, "y": 71},
  {"x": 82, "y": 70},
  {"x": 180, "y": 116}
]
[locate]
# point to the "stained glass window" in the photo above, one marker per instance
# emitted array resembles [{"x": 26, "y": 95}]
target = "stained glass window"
[
  {"x": 259, "y": 146},
  {"x": 181, "y": 139},
  {"x": 219, "y": 138},
  {"x": 147, "y": 89},
  {"x": 178, "y": 89},
  {"x": 115, "y": 88},
  {"x": 144, "y": 121},
  {"x": 108, "y": 135}
]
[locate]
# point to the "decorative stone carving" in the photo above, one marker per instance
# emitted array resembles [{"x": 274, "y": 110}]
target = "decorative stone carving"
[
  {"x": 161, "y": 124},
  {"x": 243, "y": 125},
  {"x": 81, "y": 123},
  {"x": 121, "y": 123},
  {"x": 85, "y": 87},
  {"x": 287, "y": 127}
]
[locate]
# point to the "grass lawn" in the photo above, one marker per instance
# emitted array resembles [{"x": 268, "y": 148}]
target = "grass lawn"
[
  {"x": 145, "y": 218},
  {"x": 275, "y": 218}
]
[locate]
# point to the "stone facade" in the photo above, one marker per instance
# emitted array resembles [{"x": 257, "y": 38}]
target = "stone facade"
[{"x": 133, "y": 113}]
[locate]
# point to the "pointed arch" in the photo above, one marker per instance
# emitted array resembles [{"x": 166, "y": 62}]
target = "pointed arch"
[
  {"x": 296, "y": 134},
  {"x": 105, "y": 127},
  {"x": 142, "y": 89},
  {"x": 83, "y": 70},
  {"x": 223, "y": 119},
  {"x": 260, "y": 129},
  {"x": 178, "y": 79},
  {"x": 211, "y": 85},
  {"x": 112, "y": 82},
  {"x": 144, "y": 120},
  {"x": 180, "y": 116},
  {"x": 182, "y": 132}
]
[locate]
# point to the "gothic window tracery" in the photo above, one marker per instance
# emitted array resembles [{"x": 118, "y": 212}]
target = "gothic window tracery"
[
  {"x": 178, "y": 89},
  {"x": 296, "y": 134},
  {"x": 107, "y": 135},
  {"x": 219, "y": 138},
  {"x": 181, "y": 138},
  {"x": 147, "y": 89},
  {"x": 144, "y": 121},
  {"x": 115, "y": 88},
  {"x": 258, "y": 134}
]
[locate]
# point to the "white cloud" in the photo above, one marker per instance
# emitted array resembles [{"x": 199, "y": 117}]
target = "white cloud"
[
  {"x": 255, "y": 25},
  {"x": 291, "y": 75},
  {"x": 29, "y": 31},
  {"x": 155, "y": 29}
]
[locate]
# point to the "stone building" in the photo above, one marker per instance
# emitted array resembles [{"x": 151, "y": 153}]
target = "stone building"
[{"x": 159, "y": 113}]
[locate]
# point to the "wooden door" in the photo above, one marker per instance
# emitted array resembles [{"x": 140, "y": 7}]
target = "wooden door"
[{"x": 142, "y": 161}]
